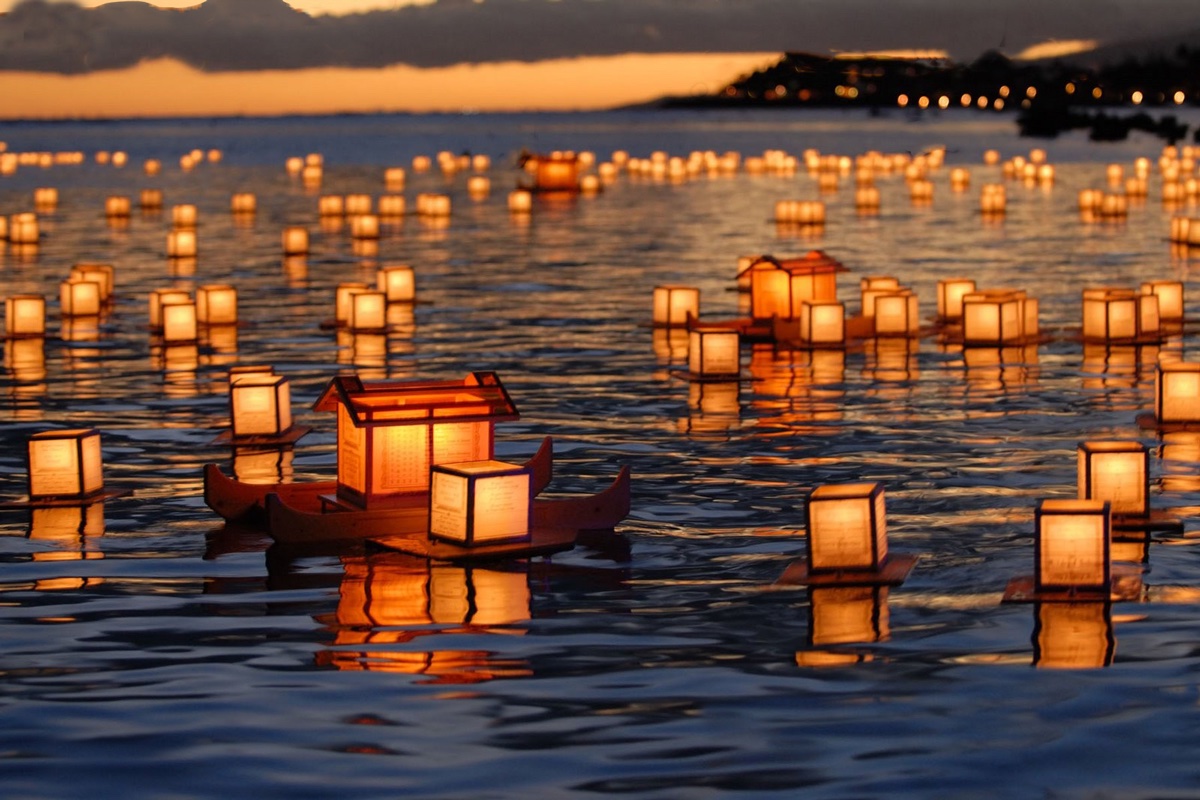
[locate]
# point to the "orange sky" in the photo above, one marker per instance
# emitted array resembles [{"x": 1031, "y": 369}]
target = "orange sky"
[{"x": 169, "y": 88}]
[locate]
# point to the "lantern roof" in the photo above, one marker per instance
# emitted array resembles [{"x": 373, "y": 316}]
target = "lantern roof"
[
  {"x": 811, "y": 263},
  {"x": 478, "y": 397}
]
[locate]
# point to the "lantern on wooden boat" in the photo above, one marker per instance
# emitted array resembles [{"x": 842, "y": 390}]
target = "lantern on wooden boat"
[
  {"x": 674, "y": 305},
  {"x": 80, "y": 298},
  {"x": 179, "y": 322},
  {"x": 480, "y": 502},
  {"x": 847, "y": 528},
  {"x": 896, "y": 313},
  {"x": 23, "y": 228},
  {"x": 243, "y": 203},
  {"x": 65, "y": 465},
  {"x": 259, "y": 405},
  {"x": 1177, "y": 392},
  {"x": 391, "y": 433},
  {"x": 183, "y": 216},
  {"x": 150, "y": 199},
  {"x": 392, "y": 206},
  {"x": 950, "y": 297},
  {"x": 714, "y": 353},
  {"x": 117, "y": 206},
  {"x": 822, "y": 323},
  {"x": 25, "y": 315},
  {"x": 1117, "y": 472},
  {"x": 1076, "y": 635},
  {"x": 398, "y": 283},
  {"x": 1170, "y": 298},
  {"x": 103, "y": 274},
  {"x": 216, "y": 304},
  {"x": 847, "y": 614},
  {"x": 295, "y": 240},
  {"x": 181, "y": 243},
  {"x": 1071, "y": 547},
  {"x": 368, "y": 311},
  {"x": 344, "y": 300},
  {"x": 556, "y": 172}
]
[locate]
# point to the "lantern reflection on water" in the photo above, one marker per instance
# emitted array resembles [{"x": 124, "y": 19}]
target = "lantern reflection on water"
[
  {"x": 714, "y": 353},
  {"x": 1073, "y": 635},
  {"x": 71, "y": 530},
  {"x": 848, "y": 614}
]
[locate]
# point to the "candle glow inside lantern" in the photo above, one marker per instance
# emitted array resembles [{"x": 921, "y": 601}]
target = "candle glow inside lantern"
[
  {"x": 343, "y": 300},
  {"x": 390, "y": 433},
  {"x": 216, "y": 304},
  {"x": 1170, "y": 298},
  {"x": 163, "y": 297},
  {"x": 243, "y": 203},
  {"x": 1073, "y": 635},
  {"x": 871, "y": 287},
  {"x": 714, "y": 352},
  {"x": 392, "y": 206},
  {"x": 673, "y": 305},
  {"x": 480, "y": 502},
  {"x": 65, "y": 464},
  {"x": 25, "y": 315},
  {"x": 1177, "y": 392},
  {"x": 1071, "y": 548},
  {"x": 260, "y": 405},
  {"x": 822, "y": 323},
  {"x": 79, "y": 298},
  {"x": 398, "y": 283},
  {"x": 181, "y": 243},
  {"x": 23, "y": 228},
  {"x": 1117, "y": 472},
  {"x": 183, "y": 216},
  {"x": 117, "y": 206},
  {"x": 150, "y": 199},
  {"x": 896, "y": 313},
  {"x": 1114, "y": 314},
  {"x": 368, "y": 311},
  {"x": 520, "y": 201},
  {"x": 179, "y": 322},
  {"x": 295, "y": 240},
  {"x": 103, "y": 274},
  {"x": 556, "y": 172},
  {"x": 364, "y": 226},
  {"x": 950, "y": 297},
  {"x": 847, "y": 528}
]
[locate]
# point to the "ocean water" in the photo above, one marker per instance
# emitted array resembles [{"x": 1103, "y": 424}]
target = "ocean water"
[{"x": 148, "y": 650}]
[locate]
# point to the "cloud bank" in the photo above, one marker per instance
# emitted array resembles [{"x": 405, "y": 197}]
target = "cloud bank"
[{"x": 241, "y": 35}]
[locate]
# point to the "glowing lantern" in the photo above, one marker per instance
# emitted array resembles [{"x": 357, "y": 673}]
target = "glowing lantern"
[
  {"x": 23, "y": 228},
  {"x": 260, "y": 405},
  {"x": 103, "y": 274},
  {"x": 871, "y": 287},
  {"x": 993, "y": 199},
  {"x": 995, "y": 317},
  {"x": 150, "y": 199},
  {"x": 847, "y": 528},
  {"x": 243, "y": 203},
  {"x": 674, "y": 305},
  {"x": 311, "y": 175},
  {"x": 162, "y": 297},
  {"x": 390, "y": 433},
  {"x": 183, "y": 216},
  {"x": 557, "y": 172},
  {"x": 1177, "y": 392},
  {"x": 921, "y": 191},
  {"x": 78, "y": 298},
  {"x": 1073, "y": 635},
  {"x": 344, "y": 300},
  {"x": 478, "y": 186},
  {"x": 950, "y": 297},
  {"x": 896, "y": 313},
  {"x": 368, "y": 311},
  {"x": 364, "y": 226},
  {"x": 116, "y": 206},
  {"x": 480, "y": 502},
  {"x": 181, "y": 243},
  {"x": 1170, "y": 298},
  {"x": 1118, "y": 473},
  {"x": 25, "y": 315},
  {"x": 520, "y": 201},
  {"x": 421, "y": 163},
  {"x": 845, "y": 614},
  {"x": 392, "y": 206},
  {"x": 714, "y": 353},
  {"x": 393, "y": 179},
  {"x": 358, "y": 204},
  {"x": 1111, "y": 315},
  {"x": 867, "y": 198},
  {"x": 960, "y": 179},
  {"x": 295, "y": 240},
  {"x": 1071, "y": 548},
  {"x": 179, "y": 322},
  {"x": 331, "y": 205},
  {"x": 216, "y": 304},
  {"x": 398, "y": 284},
  {"x": 65, "y": 465},
  {"x": 45, "y": 198},
  {"x": 822, "y": 323}
]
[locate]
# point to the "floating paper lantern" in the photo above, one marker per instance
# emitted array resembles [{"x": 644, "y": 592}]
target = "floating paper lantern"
[
  {"x": 950, "y": 297},
  {"x": 331, "y": 205},
  {"x": 867, "y": 198},
  {"x": 181, "y": 243},
  {"x": 398, "y": 283},
  {"x": 871, "y": 287},
  {"x": 674, "y": 305},
  {"x": 1073, "y": 635},
  {"x": 364, "y": 226},
  {"x": 520, "y": 201},
  {"x": 1114, "y": 315},
  {"x": 394, "y": 178},
  {"x": 921, "y": 191},
  {"x": 344, "y": 300},
  {"x": 216, "y": 304},
  {"x": 183, "y": 216},
  {"x": 243, "y": 203},
  {"x": 179, "y": 322},
  {"x": 65, "y": 465},
  {"x": 1117, "y": 472},
  {"x": 998, "y": 317},
  {"x": 45, "y": 198},
  {"x": 117, "y": 207},
  {"x": 163, "y": 297},
  {"x": 1177, "y": 392},
  {"x": 822, "y": 323},
  {"x": 25, "y": 315},
  {"x": 1071, "y": 548},
  {"x": 847, "y": 528},
  {"x": 293, "y": 165},
  {"x": 23, "y": 228},
  {"x": 480, "y": 503},
  {"x": 295, "y": 240},
  {"x": 714, "y": 352},
  {"x": 392, "y": 206},
  {"x": 80, "y": 298},
  {"x": 896, "y": 313},
  {"x": 259, "y": 405},
  {"x": 421, "y": 163},
  {"x": 368, "y": 311},
  {"x": 960, "y": 179},
  {"x": 478, "y": 186},
  {"x": 993, "y": 199},
  {"x": 557, "y": 172},
  {"x": 150, "y": 199},
  {"x": 1113, "y": 206},
  {"x": 358, "y": 204},
  {"x": 103, "y": 274},
  {"x": 1170, "y": 298}
]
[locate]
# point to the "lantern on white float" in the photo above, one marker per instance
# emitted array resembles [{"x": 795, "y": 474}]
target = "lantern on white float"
[
  {"x": 674, "y": 305},
  {"x": 480, "y": 502},
  {"x": 216, "y": 304},
  {"x": 65, "y": 465},
  {"x": 398, "y": 283},
  {"x": 260, "y": 405},
  {"x": 1117, "y": 472},
  {"x": 714, "y": 353},
  {"x": 25, "y": 315},
  {"x": 1177, "y": 392},
  {"x": 1071, "y": 547},
  {"x": 847, "y": 528}
]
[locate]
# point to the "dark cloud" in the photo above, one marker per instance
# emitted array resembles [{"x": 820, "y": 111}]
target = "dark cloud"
[{"x": 225, "y": 35}]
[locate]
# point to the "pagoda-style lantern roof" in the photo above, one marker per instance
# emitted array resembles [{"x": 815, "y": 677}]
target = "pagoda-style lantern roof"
[{"x": 478, "y": 397}]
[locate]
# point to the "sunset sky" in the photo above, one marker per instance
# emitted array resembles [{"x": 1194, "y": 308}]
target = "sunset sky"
[{"x": 96, "y": 59}]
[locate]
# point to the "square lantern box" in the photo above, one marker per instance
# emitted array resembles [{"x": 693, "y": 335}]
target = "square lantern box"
[
  {"x": 80, "y": 298},
  {"x": 714, "y": 353},
  {"x": 294, "y": 240},
  {"x": 343, "y": 301},
  {"x": 674, "y": 305},
  {"x": 368, "y": 311},
  {"x": 950, "y": 297},
  {"x": 163, "y": 297},
  {"x": 260, "y": 406},
  {"x": 1177, "y": 393},
  {"x": 1118, "y": 473},
  {"x": 822, "y": 324},
  {"x": 65, "y": 465},
  {"x": 872, "y": 287},
  {"x": 848, "y": 614},
  {"x": 364, "y": 226},
  {"x": 1170, "y": 299},
  {"x": 150, "y": 199},
  {"x": 847, "y": 528},
  {"x": 896, "y": 313},
  {"x": 103, "y": 274},
  {"x": 181, "y": 243},
  {"x": 390, "y": 433},
  {"x": 216, "y": 304},
  {"x": 398, "y": 283},
  {"x": 179, "y": 322},
  {"x": 1071, "y": 547},
  {"x": 1119, "y": 315},
  {"x": 480, "y": 502},
  {"x": 1073, "y": 635},
  {"x": 183, "y": 216},
  {"x": 23, "y": 228},
  {"x": 25, "y": 315},
  {"x": 331, "y": 205},
  {"x": 243, "y": 203},
  {"x": 117, "y": 207},
  {"x": 392, "y": 206},
  {"x": 998, "y": 317}
]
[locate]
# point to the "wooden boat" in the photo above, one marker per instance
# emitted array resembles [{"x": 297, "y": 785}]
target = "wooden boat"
[
  {"x": 237, "y": 501},
  {"x": 290, "y": 523}
]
